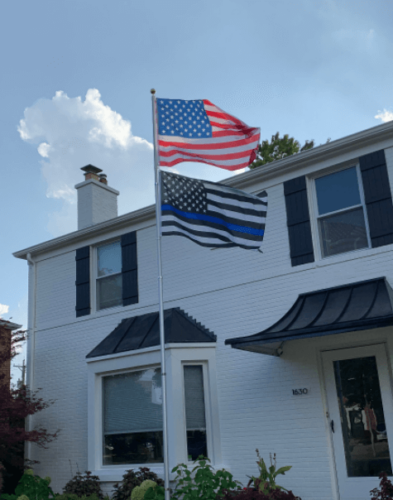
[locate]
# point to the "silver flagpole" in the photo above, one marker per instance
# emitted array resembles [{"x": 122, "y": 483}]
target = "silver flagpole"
[{"x": 160, "y": 296}]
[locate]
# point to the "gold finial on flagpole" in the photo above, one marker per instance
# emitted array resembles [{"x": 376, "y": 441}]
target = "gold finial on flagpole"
[{"x": 153, "y": 91}]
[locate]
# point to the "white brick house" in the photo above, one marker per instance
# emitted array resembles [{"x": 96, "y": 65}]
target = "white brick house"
[{"x": 316, "y": 389}]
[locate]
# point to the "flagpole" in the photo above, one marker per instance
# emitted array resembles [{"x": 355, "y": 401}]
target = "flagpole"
[{"x": 160, "y": 297}]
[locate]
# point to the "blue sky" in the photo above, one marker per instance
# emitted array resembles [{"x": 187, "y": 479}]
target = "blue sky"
[{"x": 75, "y": 89}]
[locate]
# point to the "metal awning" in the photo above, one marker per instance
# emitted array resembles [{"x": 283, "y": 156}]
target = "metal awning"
[
  {"x": 143, "y": 331},
  {"x": 358, "y": 306}
]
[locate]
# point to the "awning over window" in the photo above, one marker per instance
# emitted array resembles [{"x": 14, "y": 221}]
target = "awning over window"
[
  {"x": 143, "y": 331},
  {"x": 358, "y": 306}
]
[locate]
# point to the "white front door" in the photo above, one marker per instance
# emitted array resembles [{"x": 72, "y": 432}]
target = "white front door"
[{"x": 360, "y": 413}]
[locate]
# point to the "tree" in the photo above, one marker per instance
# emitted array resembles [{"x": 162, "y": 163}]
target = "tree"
[
  {"x": 278, "y": 148},
  {"x": 15, "y": 406}
]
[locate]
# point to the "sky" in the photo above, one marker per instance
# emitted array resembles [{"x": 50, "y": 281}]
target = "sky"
[{"x": 75, "y": 80}]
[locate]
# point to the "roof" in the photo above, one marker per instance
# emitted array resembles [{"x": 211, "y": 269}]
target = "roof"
[
  {"x": 8, "y": 325},
  {"x": 246, "y": 181},
  {"x": 140, "y": 332},
  {"x": 356, "y": 306}
]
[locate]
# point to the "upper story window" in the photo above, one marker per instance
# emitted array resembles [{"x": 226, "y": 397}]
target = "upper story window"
[
  {"x": 109, "y": 278},
  {"x": 341, "y": 214}
]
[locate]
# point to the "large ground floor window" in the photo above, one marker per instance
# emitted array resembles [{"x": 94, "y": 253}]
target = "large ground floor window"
[
  {"x": 132, "y": 418},
  {"x": 125, "y": 424}
]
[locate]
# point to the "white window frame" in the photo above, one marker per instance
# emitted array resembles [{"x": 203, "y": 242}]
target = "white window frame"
[
  {"x": 177, "y": 355},
  {"x": 95, "y": 277},
  {"x": 205, "y": 375},
  {"x": 314, "y": 212}
]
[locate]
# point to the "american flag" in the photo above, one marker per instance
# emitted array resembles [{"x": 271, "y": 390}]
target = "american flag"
[
  {"x": 200, "y": 131},
  {"x": 211, "y": 214}
]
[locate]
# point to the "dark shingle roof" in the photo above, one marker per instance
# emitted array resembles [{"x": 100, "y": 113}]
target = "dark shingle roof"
[{"x": 143, "y": 331}]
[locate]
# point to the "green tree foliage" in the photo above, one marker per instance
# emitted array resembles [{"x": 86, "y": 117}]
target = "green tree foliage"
[{"x": 278, "y": 148}]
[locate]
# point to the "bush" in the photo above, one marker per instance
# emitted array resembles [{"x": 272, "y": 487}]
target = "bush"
[
  {"x": 266, "y": 481},
  {"x": 73, "y": 496},
  {"x": 206, "y": 484},
  {"x": 84, "y": 486},
  {"x": 138, "y": 492},
  {"x": 253, "y": 494},
  {"x": 134, "y": 478},
  {"x": 385, "y": 490},
  {"x": 31, "y": 486}
]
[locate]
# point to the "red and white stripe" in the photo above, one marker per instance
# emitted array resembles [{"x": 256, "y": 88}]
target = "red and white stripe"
[{"x": 233, "y": 144}]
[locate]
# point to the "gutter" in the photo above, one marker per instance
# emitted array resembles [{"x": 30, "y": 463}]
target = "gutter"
[{"x": 31, "y": 327}]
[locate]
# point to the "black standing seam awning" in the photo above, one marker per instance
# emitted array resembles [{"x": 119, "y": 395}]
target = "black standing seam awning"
[
  {"x": 143, "y": 331},
  {"x": 358, "y": 306}
]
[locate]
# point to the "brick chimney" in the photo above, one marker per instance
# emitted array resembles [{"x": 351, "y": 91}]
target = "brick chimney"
[{"x": 97, "y": 202}]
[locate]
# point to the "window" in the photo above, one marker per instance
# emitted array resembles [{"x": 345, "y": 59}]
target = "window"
[
  {"x": 194, "y": 397},
  {"x": 132, "y": 418},
  {"x": 341, "y": 219},
  {"x": 125, "y": 423},
  {"x": 109, "y": 278}
]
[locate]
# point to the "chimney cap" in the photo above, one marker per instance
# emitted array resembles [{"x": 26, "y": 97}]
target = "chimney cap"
[{"x": 91, "y": 169}]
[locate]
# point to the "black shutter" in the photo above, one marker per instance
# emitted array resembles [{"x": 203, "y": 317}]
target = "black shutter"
[
  {"x": 378, "y": 198},
  {"x": 82, "y": 281},
  {"x": 298, "y": 221},
  {"x": 129, "y": 269}
]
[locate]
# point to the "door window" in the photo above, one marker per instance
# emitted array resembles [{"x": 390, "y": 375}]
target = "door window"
[{"x": 363, "y": 421}]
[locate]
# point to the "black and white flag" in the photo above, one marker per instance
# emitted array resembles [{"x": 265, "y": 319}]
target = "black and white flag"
[{"x": 211, "y": 214}]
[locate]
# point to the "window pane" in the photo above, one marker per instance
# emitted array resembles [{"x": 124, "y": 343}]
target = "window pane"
[
  {"x": 109, "y": 292},
  {"x": 132, "y": 417},
  {"x": 136, "y": 448},
  {"x": 362, "y": 416},
  {"x": 343, "y": 232},
  {"x": 337, "y": 191},
  {"x": 109, "y": 259},
  {"x": 195, "y": 412}
]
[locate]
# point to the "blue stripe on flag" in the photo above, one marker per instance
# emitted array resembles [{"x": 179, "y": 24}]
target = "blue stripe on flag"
[{"x": 209, "y": 218}]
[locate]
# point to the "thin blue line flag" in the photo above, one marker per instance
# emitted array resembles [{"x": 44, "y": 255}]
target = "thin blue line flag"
[{"x": 211, "y": 214}]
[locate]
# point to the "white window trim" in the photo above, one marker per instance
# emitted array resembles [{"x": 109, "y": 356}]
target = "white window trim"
[
  {"x": 94, "y": 276},
  {"x": 208, "y": 415},
  {"x": 176, "y": 356},
  {"x": 313, "y": 208}
]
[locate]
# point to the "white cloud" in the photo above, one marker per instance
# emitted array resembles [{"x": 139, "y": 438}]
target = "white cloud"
[
  {"x": 43, "y": 149},
  {"x": 384, "y": 116},
  {"x": 3, "y": 309},
  {"x": 70, "y": 133}
]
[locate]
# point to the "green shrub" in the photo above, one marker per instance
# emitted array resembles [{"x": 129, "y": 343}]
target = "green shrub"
[
  {"x": 73, "y": 496},
  {"x": 66, "y": 496},
  {"x": 31, "y": 486},
  {"x": 266, "y": 482},
  {"x": 157, "y": 493},
  {"x": 138, "y": 492},
  {"x": 205, "y": 484},
  {"x": 131, "y": 479},
  {"x": 84, "y": 486}
]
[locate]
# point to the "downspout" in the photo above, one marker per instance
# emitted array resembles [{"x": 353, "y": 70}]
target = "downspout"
[{"x": 31, "y": 327}]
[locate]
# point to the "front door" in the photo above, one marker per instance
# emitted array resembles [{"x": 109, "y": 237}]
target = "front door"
[{"x": 360, "y": 413}]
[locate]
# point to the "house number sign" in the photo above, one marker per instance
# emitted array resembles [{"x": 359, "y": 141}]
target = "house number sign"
[{"x": 299, "y": 392}]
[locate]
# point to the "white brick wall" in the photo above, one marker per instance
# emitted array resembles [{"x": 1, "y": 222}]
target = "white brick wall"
[{"x": 232, "y": 292}]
